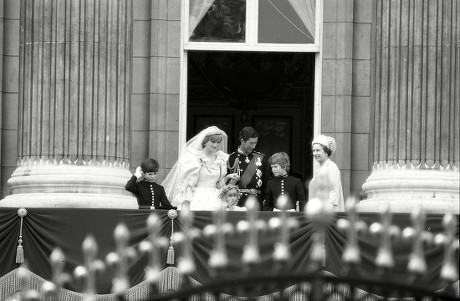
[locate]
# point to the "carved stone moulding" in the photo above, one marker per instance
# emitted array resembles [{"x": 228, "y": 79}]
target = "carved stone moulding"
[
  {"x": 436, "y": 191},
  {"x": 68, "y": 185}
]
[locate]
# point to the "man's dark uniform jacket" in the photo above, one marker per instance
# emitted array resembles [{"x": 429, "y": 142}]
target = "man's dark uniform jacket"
[
  {"x": 259, "y": 173},
  {"x": 285, "y": 185},
  {"x": 148, "y": 194}
]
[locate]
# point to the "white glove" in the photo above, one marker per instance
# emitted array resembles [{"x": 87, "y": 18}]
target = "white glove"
[{"x": 138, "y": 172}]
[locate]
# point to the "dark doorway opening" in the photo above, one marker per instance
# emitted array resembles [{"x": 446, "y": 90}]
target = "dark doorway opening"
[{"x": 271, "y": 91}]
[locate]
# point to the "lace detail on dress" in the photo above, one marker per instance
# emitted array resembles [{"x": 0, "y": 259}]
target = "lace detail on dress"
[{"x": 206, "y": 161}]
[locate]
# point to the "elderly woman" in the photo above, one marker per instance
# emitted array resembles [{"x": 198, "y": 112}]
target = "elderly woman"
[{"x": 326, "y": 184}]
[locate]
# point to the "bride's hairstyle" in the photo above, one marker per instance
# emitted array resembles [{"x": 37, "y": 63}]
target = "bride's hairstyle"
[
  {"x": 189, "y": 153},
  {"x": 213, "y": 138}
]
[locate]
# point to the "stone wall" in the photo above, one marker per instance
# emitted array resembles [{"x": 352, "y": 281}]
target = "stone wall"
[
  {"x": 9, "y": 87},
  {"x": 156, "y": 78},
  {"x": 346, "y": 93}
]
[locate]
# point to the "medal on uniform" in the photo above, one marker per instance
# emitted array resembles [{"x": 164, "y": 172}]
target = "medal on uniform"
[{"x": 247, "y": 160}]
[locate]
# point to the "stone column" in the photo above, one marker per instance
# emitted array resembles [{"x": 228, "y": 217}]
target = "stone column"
[
  {"x": 74, "y": 98},
  {"x": 417, "y": 91}
]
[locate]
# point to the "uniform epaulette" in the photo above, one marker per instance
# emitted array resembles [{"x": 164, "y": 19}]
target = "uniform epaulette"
[{"x": 259, "y": 153}]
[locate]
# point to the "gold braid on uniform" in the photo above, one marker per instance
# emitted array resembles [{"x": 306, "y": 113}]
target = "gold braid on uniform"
[{"x": 235, "y": 165}]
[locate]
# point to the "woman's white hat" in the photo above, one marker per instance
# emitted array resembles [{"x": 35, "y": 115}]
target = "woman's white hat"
[{"x": 326, "y": 141}]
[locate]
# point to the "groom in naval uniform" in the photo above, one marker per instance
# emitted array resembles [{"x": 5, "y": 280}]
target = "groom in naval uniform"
[{"x": 251, "y": 167}]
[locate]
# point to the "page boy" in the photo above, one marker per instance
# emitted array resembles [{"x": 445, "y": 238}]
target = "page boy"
[
  {"x": 282, "y": 184},
  {"x": 149, "y": 194}
]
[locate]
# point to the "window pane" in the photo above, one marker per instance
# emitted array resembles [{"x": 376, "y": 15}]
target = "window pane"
[
  {"x": 280, "y": 23},
  {"x": 218, "y": 20}
]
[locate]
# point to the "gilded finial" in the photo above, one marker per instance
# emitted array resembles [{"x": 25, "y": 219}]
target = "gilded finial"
[
  {"x": 24, "y": 280},
  {"x": 90, "y": 268},
  {"x": 251, "y": 253},
  {"x": 387, "y": 232},
  {"x": 185, "y": 205},
  {"x": 152, "y": 247},
  {"x": 284, "y": 224},
  {"x": 186, "y": 264},
  {"x": 218, "y": 257},
  {"x": 418, "y": 236},
  {"x": 58, "y": 277},
  {"x": 449, "y": 271},
  {"x": 121, "y": 258},
  {"x": 352, "y": 226},
  {"x": 321, "y": 214},
  {"x": 23, "y": 276}
]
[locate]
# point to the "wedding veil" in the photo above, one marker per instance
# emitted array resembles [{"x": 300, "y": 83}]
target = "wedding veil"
[{"x": 175, "y": 177}]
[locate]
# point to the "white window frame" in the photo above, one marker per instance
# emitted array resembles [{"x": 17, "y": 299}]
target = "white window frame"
[{"x": 250, "y": 45}]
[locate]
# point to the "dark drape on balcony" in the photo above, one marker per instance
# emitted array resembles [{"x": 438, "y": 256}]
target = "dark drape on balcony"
[{"x": 47, "y": 228}]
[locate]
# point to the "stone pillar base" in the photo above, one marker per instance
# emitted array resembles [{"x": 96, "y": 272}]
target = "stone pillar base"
[
  {"x": 437, "y": 191},
  {"x": 70, "y": 186},
  {"x": 69, "y": 200}
]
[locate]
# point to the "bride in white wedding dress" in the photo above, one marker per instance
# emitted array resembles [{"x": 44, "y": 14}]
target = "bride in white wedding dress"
[{"x": 200, "y": 171}]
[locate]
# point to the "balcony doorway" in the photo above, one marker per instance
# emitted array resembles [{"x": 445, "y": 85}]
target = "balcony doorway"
[{"x": 270, "y": 91}]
